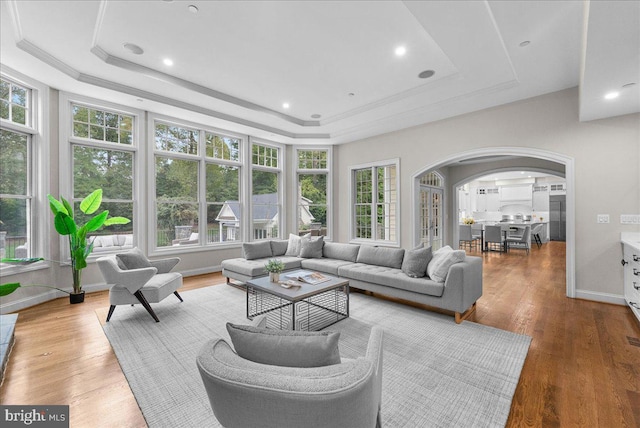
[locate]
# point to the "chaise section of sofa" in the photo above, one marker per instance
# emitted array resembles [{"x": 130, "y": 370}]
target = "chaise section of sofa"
[{"x": 375, "y": 269}]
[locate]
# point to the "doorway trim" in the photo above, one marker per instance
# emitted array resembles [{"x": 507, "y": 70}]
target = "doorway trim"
[{"x": 569, "y": 169}]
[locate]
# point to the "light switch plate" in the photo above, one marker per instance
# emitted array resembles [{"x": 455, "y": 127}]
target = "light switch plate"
[{"x": 603, "y": 218}]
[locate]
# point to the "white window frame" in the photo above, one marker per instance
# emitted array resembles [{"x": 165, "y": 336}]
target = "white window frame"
[
  {"x": 68, "y": 141},
  {"x": 310, "y": 171},
  {"x": 279, "y": 170},
  {"x": 38, "y": 168},
  {"x": 352, "y": 198},
  {"x": 202, "y": 160}
]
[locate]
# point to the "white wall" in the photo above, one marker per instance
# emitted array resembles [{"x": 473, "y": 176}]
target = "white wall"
[{"x": 606, "y": 155}]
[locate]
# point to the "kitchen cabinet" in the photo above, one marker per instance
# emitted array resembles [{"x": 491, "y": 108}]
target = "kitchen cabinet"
[
  {"x": 516, "y": 194},
  {"x": 631, "y": 262},
  {"x": 487, "y": 199},
  {"x": 540, "y": 198}
]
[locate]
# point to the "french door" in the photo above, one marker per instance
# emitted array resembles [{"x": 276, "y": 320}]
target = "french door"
[{"x": 431, "y": 223}]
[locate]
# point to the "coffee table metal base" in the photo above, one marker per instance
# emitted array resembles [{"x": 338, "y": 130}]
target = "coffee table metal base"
[{"x": 311, "y": 314}]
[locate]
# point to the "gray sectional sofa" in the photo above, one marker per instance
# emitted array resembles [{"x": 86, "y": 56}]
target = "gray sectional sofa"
[{"x": 379, "y": 270}]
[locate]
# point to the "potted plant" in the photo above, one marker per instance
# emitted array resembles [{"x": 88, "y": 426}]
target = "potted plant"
[
  {"x": 79, "y": 248},
  {"x": 274, "y": 267}
]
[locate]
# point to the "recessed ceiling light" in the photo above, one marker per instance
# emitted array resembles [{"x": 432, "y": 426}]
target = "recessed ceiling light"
[
  {"x": 400, "y": 50},
  {"x": 316, "y": 116},
  {"x": 168, "y": 61},
  {"x": 611, "y": 95},
  {"x": 134, "y": 49},
  {"x": 193, "y": 8},
  {"x": 524, "y": 43},
  {"x": 285, "y": 105},
  {"x": 426, "y": 74}
]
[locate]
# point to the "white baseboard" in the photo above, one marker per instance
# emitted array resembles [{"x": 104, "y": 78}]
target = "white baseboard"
[
  {"x": 27, "y": 302},
  {"x": 615, "y": 299}
]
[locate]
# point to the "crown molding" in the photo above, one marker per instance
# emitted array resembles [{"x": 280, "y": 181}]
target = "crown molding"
[{"x": 54, "y": 62}]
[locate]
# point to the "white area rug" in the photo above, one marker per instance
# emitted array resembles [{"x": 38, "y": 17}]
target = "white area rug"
[{"x": 436, "y": 373}]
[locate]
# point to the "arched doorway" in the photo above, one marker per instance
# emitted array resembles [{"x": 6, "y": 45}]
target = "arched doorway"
[{"x": 520, "y": 152}]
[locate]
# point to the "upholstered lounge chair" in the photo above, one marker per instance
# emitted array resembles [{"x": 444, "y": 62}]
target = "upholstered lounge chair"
[
  {"x": 244, "y": 393},
  {"x": 145, "y": 285}
]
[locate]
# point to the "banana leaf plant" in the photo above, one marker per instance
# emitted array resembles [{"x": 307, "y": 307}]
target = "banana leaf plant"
[{"x": 65, "y": 225}]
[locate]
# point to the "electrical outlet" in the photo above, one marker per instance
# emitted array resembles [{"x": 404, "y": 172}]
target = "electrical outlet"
[
  {"x": 603, "y": 218},
  {"x": 630, "y": 219}
]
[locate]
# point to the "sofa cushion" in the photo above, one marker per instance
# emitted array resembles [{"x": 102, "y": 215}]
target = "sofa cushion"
[
  {"x": 293, "y": 247},
  {"x": 279, "y": 247},
  {"x": 256, "y": 250},
  {"x": 339, "y": 251},
  {"x": 415, "y": 262},
  {"x": 324, "y": 265},
  {"x": 311, "y": 247},
  {"x": 132, "y": 259},
  {"x": 253, "y": 268},
  {"x": 390, "y": 277},
  {"x": 286, "y": 348},
  {"x": 381, "y": 256},
  {"x": 442, "y": 260}
]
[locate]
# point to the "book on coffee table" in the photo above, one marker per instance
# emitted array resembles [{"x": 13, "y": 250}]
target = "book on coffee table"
[{"x": 312, "y": 278}]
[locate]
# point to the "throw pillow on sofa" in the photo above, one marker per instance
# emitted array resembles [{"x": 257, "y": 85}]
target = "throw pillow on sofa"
[
  {"x": 442, "y": 260},
  {"x": 256, "y": 250},
  {"x": 381, "y": 256},
  {"x": 287, "y": 348},
  {"x": 415, "y": 262},
  {"x": 279, "y": 247},
  {"x": 293, "y": 247},
  {"x": 311, "y": 247}
]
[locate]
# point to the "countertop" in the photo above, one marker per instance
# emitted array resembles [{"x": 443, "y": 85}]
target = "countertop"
[{"x": 631, "y": 238}]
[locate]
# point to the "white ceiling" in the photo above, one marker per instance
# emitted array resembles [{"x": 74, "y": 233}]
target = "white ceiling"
[{"x": 239, "y": 61}]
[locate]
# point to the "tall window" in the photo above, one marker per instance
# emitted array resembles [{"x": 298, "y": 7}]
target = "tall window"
[
  {"x": 223, "y": 187},
  {"x": 375, "y": 202},
  {"x": 103, "y": 150},
  {"x": 265, "y": 195},
  {"x": 197, "y": 176},
  {"x": 19, "y": 175},
  {"x": 176, "y": 182},
  {"x": 313, "y": 173}
]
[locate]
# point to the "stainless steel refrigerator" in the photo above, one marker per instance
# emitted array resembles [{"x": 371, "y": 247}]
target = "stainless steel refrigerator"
[{"x": 558, "y": 217}]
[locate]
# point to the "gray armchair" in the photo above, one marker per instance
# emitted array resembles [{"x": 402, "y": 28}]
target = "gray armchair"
[
  {"x": 243, "y": 393},
  {"x": 145, "y": 285}
]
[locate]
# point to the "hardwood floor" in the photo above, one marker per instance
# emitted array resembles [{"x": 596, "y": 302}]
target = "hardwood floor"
[{"x": 582, "y": 370}]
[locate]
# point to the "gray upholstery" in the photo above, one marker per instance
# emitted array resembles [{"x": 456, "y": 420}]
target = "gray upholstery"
[
  {"x": 415, "y": 261},
  {"x": 340, "y": 251},
  {"x": 381, "y": 256},
  {"x": 253, "y": 268},
  {"x": 132, "y": 259},
  {"x": 462, "y": 286},
  {"x": 154, "y": 283},
  {"x": 287, "y": 348},
  {"x": 243, "y": 393},
  {"x": 311, "y": 247},
  {"x": 391, "y": 277},
  {"x": 329, "y": 266},
  {"x": 279, "y": 247},
  {"x": 256, "y": 250}
]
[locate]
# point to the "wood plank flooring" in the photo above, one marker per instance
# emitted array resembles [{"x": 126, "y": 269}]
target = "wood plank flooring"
[{"x": 582, "y": 370}]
